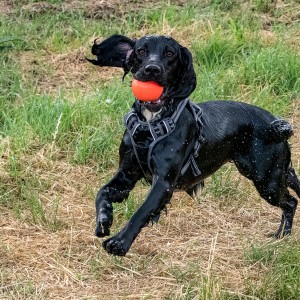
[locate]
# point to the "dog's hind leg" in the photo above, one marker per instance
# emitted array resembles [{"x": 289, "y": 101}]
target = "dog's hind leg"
[
  {"x": 293, "y": 181},
  {"x": 267, "y": 165},
  {"x": 273, "y": 186},
  {"x": 288, "y": 211},
  {"x": 289, "y": 208},
  {"x": 276, "y": 193}
]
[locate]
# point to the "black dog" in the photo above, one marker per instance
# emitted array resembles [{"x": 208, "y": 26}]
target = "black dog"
[{"x": 175, "y": 144}]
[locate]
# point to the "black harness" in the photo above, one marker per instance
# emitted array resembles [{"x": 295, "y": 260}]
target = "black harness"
[{"x": 153, "y": 132}]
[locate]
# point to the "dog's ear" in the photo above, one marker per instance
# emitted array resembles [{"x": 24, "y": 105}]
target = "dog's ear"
[
  {"x": 187, "y": 80},
  {"x": 116, "y": 51}
]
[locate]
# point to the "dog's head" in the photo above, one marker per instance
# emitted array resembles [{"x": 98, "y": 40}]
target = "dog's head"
[{"x": 150, "y": 58}]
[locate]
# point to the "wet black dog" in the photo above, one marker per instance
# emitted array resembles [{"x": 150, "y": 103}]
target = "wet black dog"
[{"x": 175, "y": 144}]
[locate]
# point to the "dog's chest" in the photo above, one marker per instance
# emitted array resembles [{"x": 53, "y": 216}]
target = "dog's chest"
[
  {"x": 146, "y": 135},
  {"x": 142, "y": 139},
  {"x": 149, "y": 115}
]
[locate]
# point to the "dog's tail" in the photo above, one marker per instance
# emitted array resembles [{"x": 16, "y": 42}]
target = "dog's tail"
[{"x": 280, "y": 130}]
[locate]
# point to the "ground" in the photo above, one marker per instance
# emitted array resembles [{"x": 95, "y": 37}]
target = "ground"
[{"x": 198, "y": 249}]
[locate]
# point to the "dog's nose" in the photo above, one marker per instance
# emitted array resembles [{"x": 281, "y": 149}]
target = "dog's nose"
[{"x": 152, "y": 69}]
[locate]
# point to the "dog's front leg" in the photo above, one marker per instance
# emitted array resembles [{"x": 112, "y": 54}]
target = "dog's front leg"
[
  {"x": 159, "y": 195},
  {"x": 116, "y": 190},
  {"x": 166, "y": 162}
]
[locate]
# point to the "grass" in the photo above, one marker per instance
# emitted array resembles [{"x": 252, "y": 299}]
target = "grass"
[
  {"x": 282, "y": 280},
  {"x": 60, "y": 127}
]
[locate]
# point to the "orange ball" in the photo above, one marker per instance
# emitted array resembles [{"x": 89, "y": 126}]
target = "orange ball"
[{"x": 146, "y": 91}]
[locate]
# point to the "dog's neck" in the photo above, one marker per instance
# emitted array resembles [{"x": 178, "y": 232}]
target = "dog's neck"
[
  {"x": 152, "y": 116},
  {"x": 149, "y": 115}
]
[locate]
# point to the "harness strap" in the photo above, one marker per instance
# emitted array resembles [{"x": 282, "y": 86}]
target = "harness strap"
[
  {"x": 191, "y": 163},
  {"x": 197, "y": 113},
  {"x": 161, "y": 129}
]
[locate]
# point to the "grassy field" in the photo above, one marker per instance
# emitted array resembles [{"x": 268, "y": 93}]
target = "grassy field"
[{"x": 60, "y": 126}]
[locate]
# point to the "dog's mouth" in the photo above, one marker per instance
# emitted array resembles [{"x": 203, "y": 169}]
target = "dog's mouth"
[{"x": 153, "y": 106}]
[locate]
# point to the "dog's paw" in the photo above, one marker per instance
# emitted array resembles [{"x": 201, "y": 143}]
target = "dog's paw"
[
  {"x": 103, "y": 228},
  {"x": 104, "y": 221},
  {"x": 282, "y": 233},
  {"x": 116, "y": 246}
]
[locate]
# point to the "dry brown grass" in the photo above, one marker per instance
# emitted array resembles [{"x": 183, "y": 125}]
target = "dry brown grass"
[
  {"x": 195, "y": 242},
  {"x": 195, "y": 239},
  {"x": 67, "y": 71},
  {"x": 295, "y": 121},
  {"x": 95, "y": 9},
  {"x": 6, "y": 8}
]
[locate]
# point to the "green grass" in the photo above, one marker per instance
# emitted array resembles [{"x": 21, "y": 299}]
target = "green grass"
[
  {"x": 223, "y": 184},
  {"x": 85, "y": 129},
  {"x": 194, "y": 284},
  {"x": 282, "y": 280},
  {"x": 233, "y": 60}
]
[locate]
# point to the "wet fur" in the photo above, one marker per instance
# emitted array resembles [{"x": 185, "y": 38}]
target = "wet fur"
[{"x": 247, "y": 135}]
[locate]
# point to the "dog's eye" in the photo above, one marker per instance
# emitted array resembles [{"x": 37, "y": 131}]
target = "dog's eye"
[
  {"x": 141, "y": 52},
  {"x": 169, "y": 53}
]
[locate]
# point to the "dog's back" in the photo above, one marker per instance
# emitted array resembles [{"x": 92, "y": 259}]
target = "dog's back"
[{"x": 225, "y": 119}]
